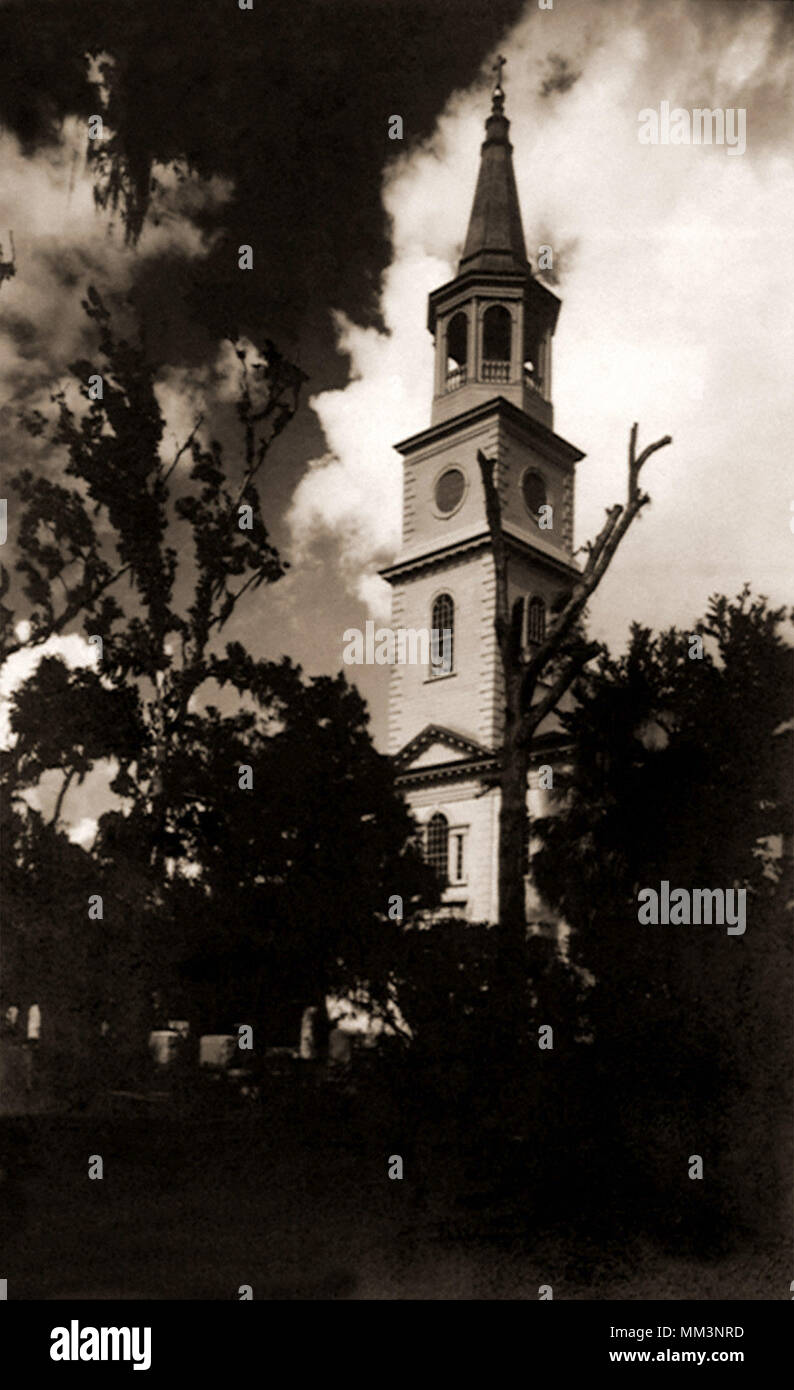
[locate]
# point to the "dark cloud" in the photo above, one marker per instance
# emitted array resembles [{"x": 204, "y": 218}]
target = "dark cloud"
[
  {"x": 289, "y": 102},
  {"x": 564, "y": 251},
  {"x": 561, "y": 76}
]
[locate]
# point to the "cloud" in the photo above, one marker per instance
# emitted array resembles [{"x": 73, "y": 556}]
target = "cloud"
[
  {"x": 63, "y": 243},
  {"x": 83, "y": 833},
  {"x": 561, "y": 77},
  {"x": 676, "y": 279},
  {"x": 185, "y": 393},
  {"x": 93, "y": 794},
  {"x": 73, "y": 650}
]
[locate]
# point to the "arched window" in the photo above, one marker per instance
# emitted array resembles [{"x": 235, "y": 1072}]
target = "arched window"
[
  {"x": 534, "y": 354},
  {"x": 437, "y": 846},
  {"x": 457, "y": 350},
  {"x": 496, "y": 334},
  {"x": 442, "y": 635},
  {"x": 536, "y": 620}
]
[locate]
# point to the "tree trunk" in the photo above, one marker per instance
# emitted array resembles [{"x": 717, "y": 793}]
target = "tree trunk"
[
  {"x": 513, "y": 837},
  {"x": 509, "y": 996}
]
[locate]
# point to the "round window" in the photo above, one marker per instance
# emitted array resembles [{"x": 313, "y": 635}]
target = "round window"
[
  {"x": 533, "y": 490},
  {"x": 449, "y": 490}
]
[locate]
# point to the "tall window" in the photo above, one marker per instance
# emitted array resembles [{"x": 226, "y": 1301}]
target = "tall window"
[
  {"x": 442, "y": 636},
  {"x": 536, "y": 620},
  {"x": 496, "y": 335},
  {"x": 437, "y": 846}
]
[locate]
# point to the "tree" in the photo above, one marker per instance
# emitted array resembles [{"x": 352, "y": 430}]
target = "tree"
[
  {"x": 68, "y": 720},
  {"x": 561, "y": 656},
  {"x": 304, "y": 882},
  {"x": 682, "y": 771},
  {"x": 184, "y": 534}
]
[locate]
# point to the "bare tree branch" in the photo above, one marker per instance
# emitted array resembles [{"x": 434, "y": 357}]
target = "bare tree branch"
[
  {"x": 522, "y": 713},
  {"x": 61, "y": 794},
  {"x": 618, "y": 521},
  {"x": 493, "y": 512},
  {"x": 183, "y": 448},
  {"x": 538, "y": 712}
]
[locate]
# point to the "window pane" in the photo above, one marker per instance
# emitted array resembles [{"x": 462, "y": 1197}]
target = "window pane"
[
  {"x": 536, "y": 620},
  {"x": 442, "y": 636},
  {"x": 437, "y": 851}
]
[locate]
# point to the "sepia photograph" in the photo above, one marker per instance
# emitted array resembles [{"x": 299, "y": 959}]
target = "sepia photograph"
[{"x": 397, "y": 663}]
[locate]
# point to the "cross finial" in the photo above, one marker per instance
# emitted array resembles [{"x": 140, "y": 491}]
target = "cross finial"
[{"x": 498, "y": 96}]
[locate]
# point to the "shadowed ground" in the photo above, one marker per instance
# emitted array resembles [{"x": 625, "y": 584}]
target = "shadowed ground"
[{"x": 301, "y": 1207}]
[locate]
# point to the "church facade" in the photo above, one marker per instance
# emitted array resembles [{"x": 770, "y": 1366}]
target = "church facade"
[{"x": 492, "y": 327}]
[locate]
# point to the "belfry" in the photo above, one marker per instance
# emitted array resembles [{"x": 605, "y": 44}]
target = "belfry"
[{"x": 492, "y": 327}]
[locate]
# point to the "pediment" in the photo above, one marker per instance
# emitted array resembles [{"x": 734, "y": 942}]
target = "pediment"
[{"x": 436, "y": 745}]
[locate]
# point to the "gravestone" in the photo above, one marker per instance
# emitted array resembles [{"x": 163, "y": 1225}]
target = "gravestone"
[
  {"x": 163, "y": 1045},
  {"x": 308, "y": 1042},
  {"x": 340, "y": 1047},
  {"x": 217, "y": 1050}
]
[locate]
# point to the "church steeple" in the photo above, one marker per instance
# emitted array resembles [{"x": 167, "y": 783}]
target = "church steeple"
[
  {"x": 494, "y": 322},
  {"x": 495, "y": 239},
  {"x": 492, "y": 326}
]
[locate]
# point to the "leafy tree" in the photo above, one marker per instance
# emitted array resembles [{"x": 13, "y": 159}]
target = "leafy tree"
[
  {"x": 152, "y": 553},
  {"x": 51, "y": 950},
  {"x": 682, "y": 772}
]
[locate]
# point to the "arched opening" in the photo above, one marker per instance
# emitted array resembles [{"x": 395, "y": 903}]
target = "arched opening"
[
  {"x": 536, "y": 621},
  {"x": 437, "y": 846},
  {"x": 534, "y": 355},
  {"x": 497, "y": 328},
  {"x": 442, "y": 635},
  {"x": 457, "y": 351}
]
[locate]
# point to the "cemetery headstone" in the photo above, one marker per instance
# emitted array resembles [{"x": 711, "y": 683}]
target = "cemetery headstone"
[{"x": 217, "y": 1049}]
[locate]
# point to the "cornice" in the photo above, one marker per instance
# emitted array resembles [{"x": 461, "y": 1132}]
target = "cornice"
[
  {"x": 554, "y": 445},
  {"x": 481, "y": 540},
  {"x": 465, "y": 769},
  {"x": 471, "y": 769}
]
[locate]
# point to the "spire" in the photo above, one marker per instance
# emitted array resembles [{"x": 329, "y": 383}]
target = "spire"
[{"x": 495, "y": 239}]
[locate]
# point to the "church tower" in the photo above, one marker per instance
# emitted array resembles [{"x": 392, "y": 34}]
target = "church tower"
[{"x": 492, "y": 327}]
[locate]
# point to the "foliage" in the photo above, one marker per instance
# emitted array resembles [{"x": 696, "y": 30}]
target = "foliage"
[
  {"x": 682, "y": 772},
  {"x": 203, "y": 879}
]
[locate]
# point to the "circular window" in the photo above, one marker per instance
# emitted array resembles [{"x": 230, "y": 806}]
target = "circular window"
[
  {"x": 449, "y": 490},
  {"x": 533, "y": 490}
]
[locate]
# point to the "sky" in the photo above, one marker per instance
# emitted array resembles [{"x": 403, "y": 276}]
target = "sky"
[{"x": 674, "y": 263}]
